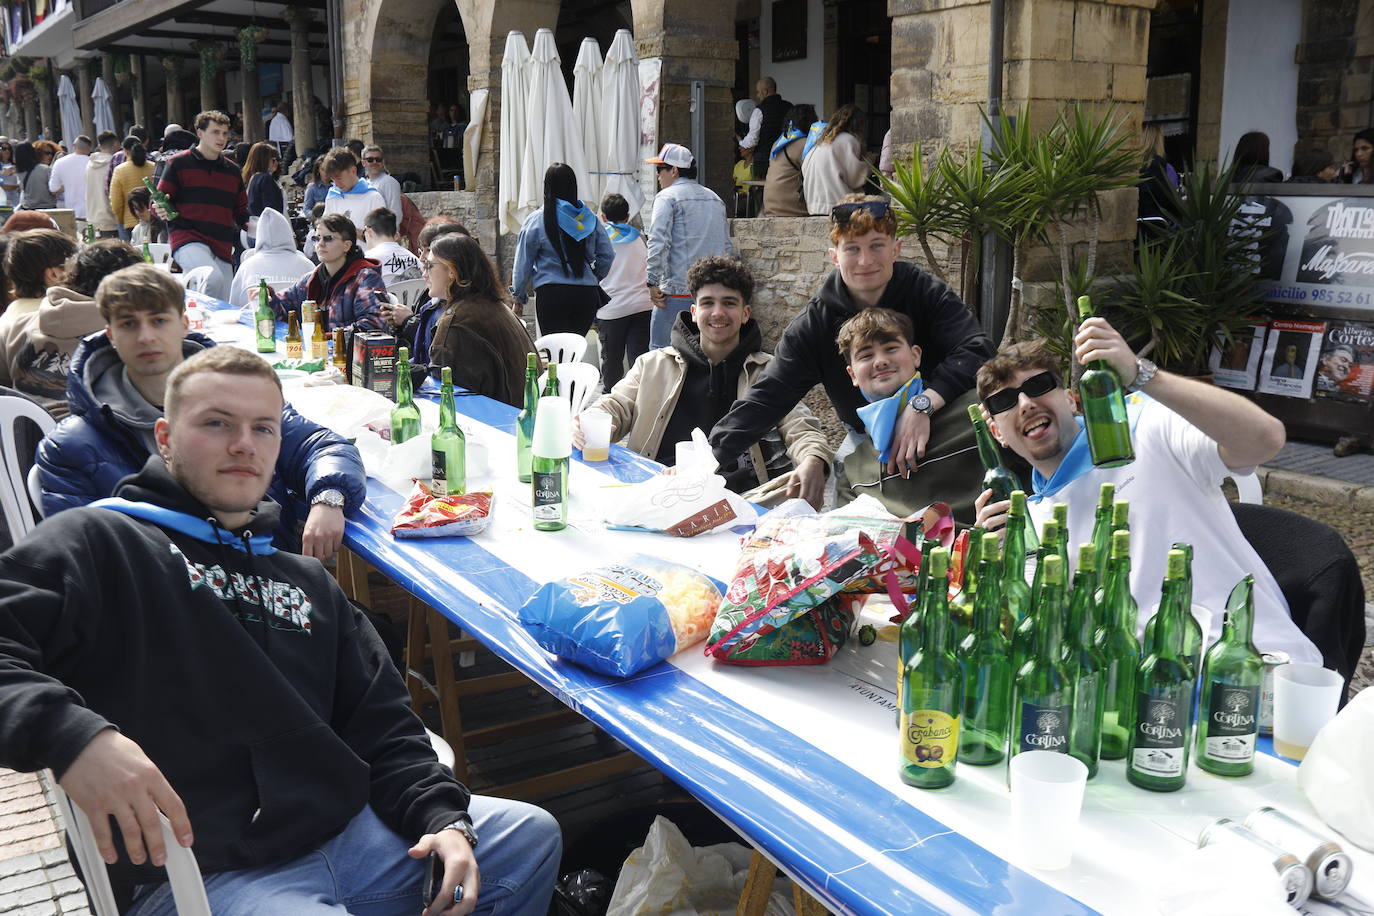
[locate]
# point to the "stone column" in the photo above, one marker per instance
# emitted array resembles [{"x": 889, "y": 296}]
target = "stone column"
[
  {"x": 45, "y": 84},
  {"x": 211, "y": 54},
  {"x": 83, "y": 96},
  {"x": 136, "y": 89},
  {"x": 249, "y": 37},
  {"x": 174, "y": 107},
  {"x": 302, "y": 84},
  {"x": 31, "y": 124}
]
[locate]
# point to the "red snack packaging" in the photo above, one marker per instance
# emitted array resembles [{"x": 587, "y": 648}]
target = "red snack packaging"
[{"x": 428, "y": 516}]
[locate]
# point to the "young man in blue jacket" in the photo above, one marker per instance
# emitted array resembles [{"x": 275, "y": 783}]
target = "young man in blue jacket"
[
  {"x": 115, "y": 393},
  {"x": 157, "y": 653}
]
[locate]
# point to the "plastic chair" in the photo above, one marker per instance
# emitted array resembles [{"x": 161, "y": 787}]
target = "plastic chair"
[
  {"x": 578, "y": 383},
  {"x": 563, "y": 348},
  {"x": 188, "y": 890},
  {"x": 198, "y": 278},
  {"x": 36, "y": 491},
  {"x": 161, "y": 252},
  {"x": 14, "y": 490},
  {"x": 408, "y": 292},
  {"x": 1248, "y": 488}
]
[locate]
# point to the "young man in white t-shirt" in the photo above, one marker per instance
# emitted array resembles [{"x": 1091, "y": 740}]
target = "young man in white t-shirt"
[
  {"x": 395, "y": 263},
  {"x": 1188, "y": 437}
]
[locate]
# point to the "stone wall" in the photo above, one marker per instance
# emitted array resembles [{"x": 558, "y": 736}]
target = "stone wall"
[{"x": 1335, "y": 74}]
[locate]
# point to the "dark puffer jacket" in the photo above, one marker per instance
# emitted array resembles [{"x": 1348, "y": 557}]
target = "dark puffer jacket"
[{"x": 93, "y": 449}]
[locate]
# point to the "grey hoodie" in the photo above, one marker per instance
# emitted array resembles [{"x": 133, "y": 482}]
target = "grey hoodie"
[
  {"x": 274, "y": 258},
  {"x": 98, "y": 212}
]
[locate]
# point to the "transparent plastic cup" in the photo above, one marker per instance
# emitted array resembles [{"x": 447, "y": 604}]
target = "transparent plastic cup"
[
  {"x": 1046, "y": 799},
  {"x": 1305, "y": 699},
  {"x": 596, "y": 426}
]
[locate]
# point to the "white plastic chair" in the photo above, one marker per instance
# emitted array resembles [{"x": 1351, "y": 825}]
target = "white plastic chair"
[
  {"x": 14, "y": 490},
  {"x": 36, "y": 491},
  {"x": 578, "y": 383},
  {"x": 1248, "y": 488},
  {"x": 563, "y": 348},
  {"x": 197, "y": 279},
  {"x": 408, "y": 292},
  {"x": 188, "y": 890},
  {"x": 161, "y": 252}
]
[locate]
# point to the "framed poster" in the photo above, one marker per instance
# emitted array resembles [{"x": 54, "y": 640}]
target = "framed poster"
[
  {"x": 1237, "y": 364},
  {"x": 1289, "y": 364},
  {"x": 789, "y": 30},
  {"x": 1345, "y": 365}
]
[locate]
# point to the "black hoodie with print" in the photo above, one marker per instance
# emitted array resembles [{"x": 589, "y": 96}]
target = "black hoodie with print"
[{"x": 263, "y": 696}]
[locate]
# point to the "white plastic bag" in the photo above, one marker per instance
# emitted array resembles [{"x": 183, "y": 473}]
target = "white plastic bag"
[
  {"x": 1336, "y": 776},
  {"x": 667, "y": 876},
  {"x": 691, "y": 500}
]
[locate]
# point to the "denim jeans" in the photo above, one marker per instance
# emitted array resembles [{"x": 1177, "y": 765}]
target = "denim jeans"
[
  {"x": 365, "y": 871},
  {"x": 661, "y": 324},
  {"x": 198, "y": 254}
]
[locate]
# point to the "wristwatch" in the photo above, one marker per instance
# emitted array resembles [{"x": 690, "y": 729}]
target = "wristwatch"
[
  {"x": 464, "y": 826},
  {"x": 1144, "y": 371},
  {"x": 330, "y": 497},
  {"x": 922, "y": 403}
]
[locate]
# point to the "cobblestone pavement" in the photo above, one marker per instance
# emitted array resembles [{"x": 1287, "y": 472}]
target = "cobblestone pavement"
[{"x": 35, "y": 877}]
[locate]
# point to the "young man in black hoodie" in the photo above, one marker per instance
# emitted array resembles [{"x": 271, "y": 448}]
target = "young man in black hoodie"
[
  {"x": 158, "y": 654},
  {"x": 863, "y": 230}
]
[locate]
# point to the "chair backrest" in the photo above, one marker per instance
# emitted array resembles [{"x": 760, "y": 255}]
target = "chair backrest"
[
  {"x": 188, "y": 889},
  {"x": 198, "y": 278},
  {"x": 408, "y": 292},
  {"x": 562, "y": 348},
  {"x": 1248, "y": 488},
  {"x": 36, "y": 490},
  {"x": 578, "y": 384},
  {"x": 161, "y": 252},
  {"x": 14, "y": 492}
]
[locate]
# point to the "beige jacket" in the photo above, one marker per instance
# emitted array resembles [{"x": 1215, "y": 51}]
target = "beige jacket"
[{"x": 642, "y": 402}]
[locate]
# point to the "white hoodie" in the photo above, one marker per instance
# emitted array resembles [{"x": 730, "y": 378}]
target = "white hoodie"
[
  {"x": 274, "y": 258},
  {"x": 98, "y": 212}
]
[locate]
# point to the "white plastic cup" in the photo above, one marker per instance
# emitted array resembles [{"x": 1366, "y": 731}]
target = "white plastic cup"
[
  {"x": 1305, "y": 699},
  {"x": 1046, "y": 799},
  {"x": 596, "y": 427},
  {"x": 684, "y": 455}
]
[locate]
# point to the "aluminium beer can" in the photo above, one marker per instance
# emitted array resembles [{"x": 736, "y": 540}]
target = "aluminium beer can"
[
  {"x": 1330, "y": 866},
  {"x": 1266, "y": 705},
  {"x": 1293, "y": 875}
]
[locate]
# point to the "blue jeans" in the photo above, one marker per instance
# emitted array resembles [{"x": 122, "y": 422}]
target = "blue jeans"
[
  {"x": 124, "y": 234},
  {"x": 661, "y": 324},
  {"x": 365, "y": 870},
  {"x": 198, "y": 254}
]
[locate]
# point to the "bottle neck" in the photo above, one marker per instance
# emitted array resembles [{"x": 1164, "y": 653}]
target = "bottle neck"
[
  {"x": 448, "y": 410},
  {"x": 1014, "y": 547},
  {"x": 404, "y": 396},
  {"x": 1049, "y": 622},
  {"x": 935, "y": 618},
  {"x": 1168, "y": 639},
  {"x": 1238, "y": 626},
  {"x": 987, "y": 601},
  {"x": 987, "y": 447},
  {"x": 1119, "y": 606},
  {"x": 1082, "y": 620}
]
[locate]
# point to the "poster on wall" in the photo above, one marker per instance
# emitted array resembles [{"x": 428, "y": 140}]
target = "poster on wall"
[
  {"x": 1345, "y": 366},
  {"x": 1289, "y": 363},
  {"x": 1327, "y": 252},
  {"x": 1236, "y": 365}
]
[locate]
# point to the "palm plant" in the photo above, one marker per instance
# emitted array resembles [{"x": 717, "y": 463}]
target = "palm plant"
[
  {"x": 919, "y": 202},
  {"x": 982, "y": 198}
]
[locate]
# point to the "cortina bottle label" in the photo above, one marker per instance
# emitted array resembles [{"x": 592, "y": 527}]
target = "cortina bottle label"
[
  {"x": 1160, "y": 726},
  {"x": 548, "y": 496},
  {"x": 930, "y": 738},
  {"x": 267, "y": 328},
  {"x": 1232, "y": 722},
  {"x": 1044, "y": 728},
  {"x": 438, "y": 465}
]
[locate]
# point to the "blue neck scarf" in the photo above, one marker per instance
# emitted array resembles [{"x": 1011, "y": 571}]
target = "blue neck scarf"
[
  {"x": 576, "y": 219},
  {"x": 784, "y": 138},
  {"x": 1078, "y": 460},
  {"x": 621, "y": 233},
  {"x": 198, "y": 528},
  {"x": 362, "y": 187},
  {"x": 813, "y": 136},
  {"x": 880, "y": 417}
]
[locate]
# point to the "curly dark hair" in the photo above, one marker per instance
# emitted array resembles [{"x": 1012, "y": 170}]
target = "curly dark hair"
[
  {"x": 96, "y": 261},
  {"x": 725, "y": 270}
]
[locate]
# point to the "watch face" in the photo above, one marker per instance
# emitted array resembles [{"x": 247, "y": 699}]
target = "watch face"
[{"x": 921, "y": 402}]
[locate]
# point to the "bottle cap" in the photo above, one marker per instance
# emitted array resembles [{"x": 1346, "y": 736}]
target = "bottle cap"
[
  {"x": 552, "y": 429},
  {"x": 446, "y": 376},
  {"x": 1121, "y": 513},
  {"x": 1177, "y": 566},
  {"x": 1087, "y": 555},
  {"x": 1018, "y": 502},
  {"x": 1049, "y": 531},
  {"x": 1106, "y": 495},
  {"x": 975, "y": 414},
  {"x": 1121, "y": 543},
  {"x": 992, "y": 546},
  {"x": 1054, "y": 569},
  {"x": 939, "y": 562},
  {"x": 1085, "y": 307},
  {"x": 403, "y": 354}
]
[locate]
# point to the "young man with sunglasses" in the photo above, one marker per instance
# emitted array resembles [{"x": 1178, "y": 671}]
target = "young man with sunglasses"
[
  {"x": 870, "y": 274},
  {"x": 1188, "y": 437},
  {"x": 374, "y": 163}
]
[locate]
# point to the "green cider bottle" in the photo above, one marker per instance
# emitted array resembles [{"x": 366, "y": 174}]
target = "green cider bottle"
[
  {"x": 524, "y": 422},
  {"x": 1060, "y": 513},
  {"x": 147, "y": 254},
  {"x": 1102, "y": 529},
  {"x": 1232, "y": 674},
  {"x": 1042, "y": 698},
  {"x": 405, "y": 416},
  {"x": 1192, "y": 630},
  {"x": 1157, "y": 758},
  {"x": 1120, "y": 649},
  {"x": 551, "y": 383},
  {"x": 448, "y": 446},
  {"x": 1023, "y": 637},
  {"x": 264, "y": 320},
  {"x": 1087, "y": 661},
  {"x": 961, "y": 605},
  {"x": 931, "y": 691},
  {"x": 1015, "y": 592},
  {"x": 996, "y": 477},
  {"x": 1103, "y": 397},
  {"x": 986, "y": 664},
  {"x": 164, "y": 202}
]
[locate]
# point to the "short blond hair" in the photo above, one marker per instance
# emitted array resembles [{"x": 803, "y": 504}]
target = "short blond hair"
[
  {"x": 226, "y": 360},
  {"x": 139, "y": 288}
]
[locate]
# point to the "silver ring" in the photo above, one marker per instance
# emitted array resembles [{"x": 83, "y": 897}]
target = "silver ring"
[{"x": 458, "y": 894}]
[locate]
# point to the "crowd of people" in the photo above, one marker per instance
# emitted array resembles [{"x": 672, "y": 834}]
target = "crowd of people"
[{"x": 188, "y": 506}]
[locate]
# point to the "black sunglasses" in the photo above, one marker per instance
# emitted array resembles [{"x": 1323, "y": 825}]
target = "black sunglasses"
[
  {"x": 841, "y": 213},
  {"x": 372, "y": 159},
  {"x": 662, "y": 168},
  {"x": 1033, "y": 387}
]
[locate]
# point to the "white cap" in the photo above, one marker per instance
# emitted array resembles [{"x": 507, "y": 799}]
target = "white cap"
[
  {"x": 169, "y": 130},
  {"x": 552, "y": 429},
  {"x": 673, "y": 154}
]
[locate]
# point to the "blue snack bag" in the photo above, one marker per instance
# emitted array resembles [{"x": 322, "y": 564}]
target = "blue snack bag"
[{"x": 623, "y": 617}]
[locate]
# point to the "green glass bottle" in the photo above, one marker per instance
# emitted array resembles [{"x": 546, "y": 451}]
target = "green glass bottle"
[
  {"x": 1042, "y": 699},
  {"x": 1192, "y": 630},
  {"x": 1060, "y": 513},
  {"x": 1102, "y": 529},
  {"x": 1023, "y": 637},
  {"x": 524, "y": 422},
  {"x": 147, "y": 254},
  {"x": 1121, "y": 515},
  {"x": 164, "y": 202},
  {"x": 551, "y": 382},
  {"x": 1103, "y": 397},
  {"x": 550, "y": 457},
  {"x": 88, "y": 234},
  {"x": 1157, "y": 758},
  {"x": 1015, "y": 591},
  {"x": 961, "y": 605},
  {"x": 405, "y": 416},
  {"x": 996, "y": 477},
  {"x": 448, "y": 446},
  {"x": 265, "y": 321},
  {"x": 1232, "y": 674},
  {"x": 986, "y": 663},
  {"x": 1120, "y": 648},
  {"x": 931, "y": 692},
  {"x": 1088, "y": 662}
]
